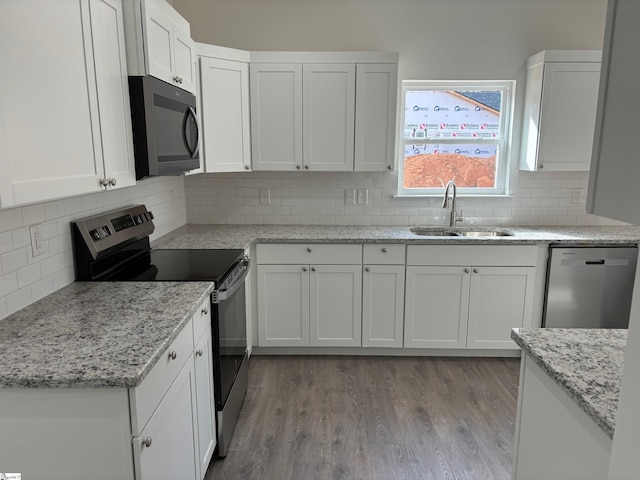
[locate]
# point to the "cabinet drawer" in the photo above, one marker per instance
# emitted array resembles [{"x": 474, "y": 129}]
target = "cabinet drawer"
[
  {"x": 147, "y": 396},
  {"x": 476, "y": 255},
  {"x": 381, "y": 254},
  {"x": 307, "y": 253},
  {"x": 201, "y": 320}
]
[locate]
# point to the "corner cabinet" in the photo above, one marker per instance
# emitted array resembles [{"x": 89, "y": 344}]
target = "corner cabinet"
[
  {"x": 309, "y": 295},
  {"x": 613, "y": 182},
  {"x": 560, "y": 110},
  {"x": 159, "y": 43},
  {"x": 468, "y": 296},
  {"x": 323, "y": 111},
  {"x": 223, "y": 94},
  {"x": 65, "y": 121}
]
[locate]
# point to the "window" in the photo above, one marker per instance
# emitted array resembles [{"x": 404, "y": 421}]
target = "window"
[{"x": 456, "y": 131}]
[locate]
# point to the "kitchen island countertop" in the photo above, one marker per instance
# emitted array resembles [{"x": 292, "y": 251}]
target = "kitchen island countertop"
[
  {"x": 95, "y": 334},
  {"x": 586, "y": 363},
  {"x": 241, "y": 236}
]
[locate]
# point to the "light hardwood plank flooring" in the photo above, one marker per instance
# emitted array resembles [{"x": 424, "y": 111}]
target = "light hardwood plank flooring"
[{"x": 350, "y": 417}]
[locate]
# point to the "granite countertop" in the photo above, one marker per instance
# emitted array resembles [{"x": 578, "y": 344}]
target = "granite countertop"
[
  {"x": 240, "y": 236},
  {"x": 95, "y": 334},
  {"x": 586, "y": 363}
]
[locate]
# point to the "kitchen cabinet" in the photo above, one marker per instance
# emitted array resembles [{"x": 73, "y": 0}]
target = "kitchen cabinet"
[
  {"x": 63, "y": 134},
  {"x": 323, "y": 111},
  {"x": 159, "y": 43},
  {"x": 383, "y": 295},
  {"x": 224, "y": 100},
  {"x": 613, "y": 190},
  {"x": 560, "y": 110},
  {"x": 309, "y": 295},
  {"x": 468, "y": 296}
]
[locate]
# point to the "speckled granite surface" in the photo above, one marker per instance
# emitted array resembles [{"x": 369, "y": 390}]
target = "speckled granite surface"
[
  {"x": 239, "y": 236},
  {"x": 586, "y": 363},
  {"x": 100, "y": 334}
]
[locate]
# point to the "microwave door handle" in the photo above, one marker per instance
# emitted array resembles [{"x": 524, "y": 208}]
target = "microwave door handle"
[{"x": 191, "y": 112}]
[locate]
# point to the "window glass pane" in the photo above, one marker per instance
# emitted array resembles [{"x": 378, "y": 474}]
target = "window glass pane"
[
  {"x": 432, "y": 165},
  {"x": 452, "y": 114}
]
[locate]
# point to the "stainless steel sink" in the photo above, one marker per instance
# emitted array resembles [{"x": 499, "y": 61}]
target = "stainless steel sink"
[
  {"x": 485, "y": 233},
  {"x": 433, "y": 232}
]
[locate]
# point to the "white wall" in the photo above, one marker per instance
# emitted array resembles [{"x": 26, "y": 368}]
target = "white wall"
[
  {"x": 436, "y": 39},
  {"x": 25, "y": 279}
]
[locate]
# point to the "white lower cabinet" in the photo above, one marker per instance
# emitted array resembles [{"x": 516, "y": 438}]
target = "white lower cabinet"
[
  {"x": 205, "y": 412},
  {"x": 468, "y": 296},
  {"x": 315, "y": 303}
]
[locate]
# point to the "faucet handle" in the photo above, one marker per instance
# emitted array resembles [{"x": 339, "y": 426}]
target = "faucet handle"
[{"x": 459, "y": 218}]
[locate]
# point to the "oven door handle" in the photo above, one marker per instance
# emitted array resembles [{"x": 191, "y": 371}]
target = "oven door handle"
[{"x": 222, "y": 295}]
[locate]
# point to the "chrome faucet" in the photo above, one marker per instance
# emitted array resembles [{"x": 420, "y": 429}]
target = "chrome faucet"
[{"x": 454, "y": 217}]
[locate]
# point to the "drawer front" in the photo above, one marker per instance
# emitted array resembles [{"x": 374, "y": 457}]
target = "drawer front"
[
  {"x": 201, "y": 320},
  {"x": 476, "y": 255},
  {"x": 147, "y": 396},
  {"x": 308, "y": 253},
  {"x": 381, "y": 254}
]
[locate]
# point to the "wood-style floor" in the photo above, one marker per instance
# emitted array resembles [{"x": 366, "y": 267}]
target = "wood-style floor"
[{"x": 335, "y": 417}]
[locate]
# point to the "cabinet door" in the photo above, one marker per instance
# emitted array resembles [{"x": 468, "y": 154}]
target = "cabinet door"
[
  {"x": 225, "y": 115},
  {"x": 48, "y": 103},
  {"x": 283, "y": 305},
  {"x": 276, "y": 116},
  {"x": 382, "y": 305},
  {"x": 328, "y": 117},
  {"x": 205, "y": 406},
  {"x": 113, "y": 92},
  {"x": 375, "y": 123},
  {"x": 501, "y": 299},
  {"x": 568, "y": 115},
  {"x": 183, "y": 59},
  {"x": 436, "y": 307},
  {"x": 613, "y": 183},
  {"x": 166, "y": 448},
  {"x": 335, "y": 305},
  {"x": 158, "y": 32}
]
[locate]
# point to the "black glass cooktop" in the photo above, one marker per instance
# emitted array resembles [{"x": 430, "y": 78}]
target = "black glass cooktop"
[{"x": 177, "y": 265}]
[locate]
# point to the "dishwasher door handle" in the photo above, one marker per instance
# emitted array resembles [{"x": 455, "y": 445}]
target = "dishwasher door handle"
[{"x": 611, "y": 262}]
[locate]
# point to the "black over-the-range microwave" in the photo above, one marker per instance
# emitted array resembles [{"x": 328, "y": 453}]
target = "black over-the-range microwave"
[{"x": 165, "y": 128}]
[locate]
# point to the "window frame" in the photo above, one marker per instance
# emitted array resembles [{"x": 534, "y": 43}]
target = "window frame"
[{"x": 504, "y": 144}]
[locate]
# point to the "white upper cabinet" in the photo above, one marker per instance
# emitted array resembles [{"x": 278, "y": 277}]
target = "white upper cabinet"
[
  {"x": 323, "y": 111},
  {"x": 65, "y": 122},
  {"x": 613, "y": 184},
  {"x": 159, "y": 43},
  {"x": 560, "y": 110},
  {"x": 376, "y": 98},
  {"x": 224, "y": 110}
]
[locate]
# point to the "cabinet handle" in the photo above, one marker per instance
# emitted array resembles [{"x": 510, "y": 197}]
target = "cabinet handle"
[
  {"x": 199, "y": 352},
  {"x": 309, "y": 249},
  {"x": 298, "y": 167},
  {"x": 313, "y": 269},
  {"x": 204, "y": 310},
  {"x": 389, "y": 167},
  {"x": 177, "y": 79},
  {"x": 304, "y": 269},
  {"x": 466, "y": 270},
  {"x": 306, "y": 167},
  {"x": 475, "y": 270},
  {"x": 384, "y": 250},
  {"x": 112, "y": 182},
  {"x": 147, "y": 442},
  {"x": 247, "y": 167},
  {"x": 104, "y": 182},
  {"x": 173, "y": 355},
  {"x": 367, "y": 269},
  {"x": 540, "y": 166}
]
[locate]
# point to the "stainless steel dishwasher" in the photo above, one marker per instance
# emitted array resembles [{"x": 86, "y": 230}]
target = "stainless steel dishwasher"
[{"x": 589, "y": 287}]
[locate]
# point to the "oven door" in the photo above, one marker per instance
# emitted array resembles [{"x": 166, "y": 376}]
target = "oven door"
[{"x": 229, "y": 322}]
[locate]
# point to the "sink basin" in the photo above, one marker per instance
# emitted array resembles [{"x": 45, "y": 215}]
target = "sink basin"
[
  {"x": 485, "y": 233},
  {"x": 433, "y": 232}
]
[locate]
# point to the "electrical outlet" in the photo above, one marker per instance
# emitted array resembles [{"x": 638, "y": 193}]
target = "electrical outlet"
[
  {"x": 37, "y": 242},
  {"x": 363, "y": 196},
  {"x": 349, "y": 196},
  {"x": 265, "y": 196},
  {"x": 577, "y": 196}
]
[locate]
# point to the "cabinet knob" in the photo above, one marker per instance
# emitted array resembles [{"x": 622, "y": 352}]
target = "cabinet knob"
[
  {"x": 466, "y": 270},
  {"x": 384, "y": 250},
  {"x": 147, "y": 442},
  {"x": 173, "y": 354},
  {"x": 389, "y": 167},
  {"x": 247, "y": 167},
  {"x": 104, "y": 182},
  {"x": 309, "y": 249},
  {"x": 313, "y": 269},
  {"x": 540, "y": 166},
  {"x": 177, "y": 79},
  {"x": 306, "y": 167},
  {"x": 367, "y": 269},
  {"x": 112, "y": 182},
  {"x": 304, "y": 269},
  {"x": 199, "y": 352},
  {"x": 475, "y": 270},
  {"x": 298, "y": 167},
  {"x": 204, "y": 310}
]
